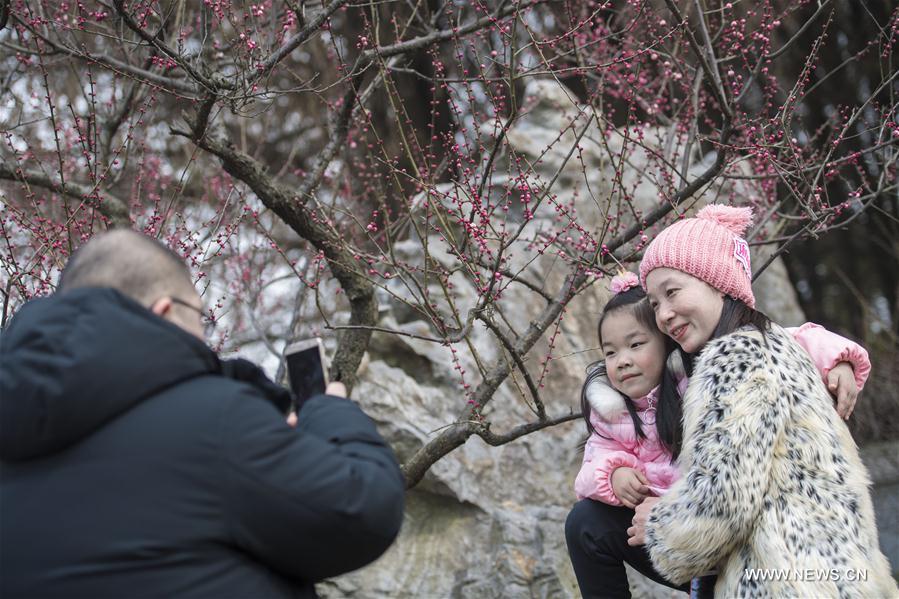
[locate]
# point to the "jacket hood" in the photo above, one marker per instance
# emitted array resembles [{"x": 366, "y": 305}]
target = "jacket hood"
[
  {"x": 608, "y": 403},
  {"x": 73, "y": 361},
  {"x": 605, "y": 400}
]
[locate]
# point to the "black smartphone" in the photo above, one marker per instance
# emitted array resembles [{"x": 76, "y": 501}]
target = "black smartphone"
[{"x": 307, "y": 369}]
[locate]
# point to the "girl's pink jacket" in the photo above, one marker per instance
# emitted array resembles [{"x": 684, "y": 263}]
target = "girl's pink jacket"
[{"x": 615, "y": 442}]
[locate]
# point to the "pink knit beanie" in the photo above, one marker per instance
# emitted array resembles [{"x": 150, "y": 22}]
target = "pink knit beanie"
[{"x": 710, "y": 247}]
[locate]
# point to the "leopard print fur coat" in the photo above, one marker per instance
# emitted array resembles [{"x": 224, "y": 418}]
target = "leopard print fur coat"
[{"x": 772, "y": 483}]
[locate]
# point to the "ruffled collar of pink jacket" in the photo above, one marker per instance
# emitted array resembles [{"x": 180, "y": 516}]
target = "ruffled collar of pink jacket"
[{"x": 609, "y": 405}]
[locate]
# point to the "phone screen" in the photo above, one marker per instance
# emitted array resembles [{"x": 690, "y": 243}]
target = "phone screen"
[{"x": 306, "y": 369}]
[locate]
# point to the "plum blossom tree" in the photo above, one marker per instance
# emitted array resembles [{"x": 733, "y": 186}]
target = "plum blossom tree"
[{"x": 312, "y": 160}]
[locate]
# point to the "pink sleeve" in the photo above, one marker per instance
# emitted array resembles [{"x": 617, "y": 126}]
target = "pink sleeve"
[
  {"x": 829, "y": 349},
  {"x": 601, "y": 457}
]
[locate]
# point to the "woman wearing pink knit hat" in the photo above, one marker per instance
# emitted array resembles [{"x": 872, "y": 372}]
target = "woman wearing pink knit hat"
[{"x": 773, "y": 494}]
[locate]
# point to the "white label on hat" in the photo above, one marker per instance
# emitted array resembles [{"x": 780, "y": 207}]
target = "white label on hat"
[{"x": 741, "y": 253}]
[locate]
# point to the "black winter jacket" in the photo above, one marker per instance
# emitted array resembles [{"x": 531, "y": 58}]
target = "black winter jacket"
[{"x": 134, "y": 463}]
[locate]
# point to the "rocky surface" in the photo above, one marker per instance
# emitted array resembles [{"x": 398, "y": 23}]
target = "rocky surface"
[
  {"x": 489, "y": 521},
  {"x": 882, "y": 461}
]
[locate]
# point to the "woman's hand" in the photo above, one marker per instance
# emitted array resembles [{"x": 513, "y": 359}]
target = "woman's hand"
[
  {"x": 637, "y": 532},
  {"x": 841, "y": 384},
  {"x": 630, "y": 486}
]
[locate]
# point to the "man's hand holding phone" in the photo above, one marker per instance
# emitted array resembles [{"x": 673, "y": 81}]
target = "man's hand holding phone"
[
  {"x": 308, "y": 373},
  {"x": 336, "y": 389}
]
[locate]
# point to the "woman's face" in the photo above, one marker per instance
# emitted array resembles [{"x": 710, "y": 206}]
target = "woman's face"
[{"x": 687, "y": 309}]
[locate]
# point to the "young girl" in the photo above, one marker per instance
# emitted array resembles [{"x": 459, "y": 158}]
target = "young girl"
[
  {"x": 625, "y": 460},
  {"x": 634, "y": 441}
]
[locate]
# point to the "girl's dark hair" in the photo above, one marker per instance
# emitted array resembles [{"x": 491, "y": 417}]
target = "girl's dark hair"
[
  {"x": 635, "y": 300},
  {"x": 734, "y": 315}
]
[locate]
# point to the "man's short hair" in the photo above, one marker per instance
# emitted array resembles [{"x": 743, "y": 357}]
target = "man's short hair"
[{"x": 138, "y": 266}]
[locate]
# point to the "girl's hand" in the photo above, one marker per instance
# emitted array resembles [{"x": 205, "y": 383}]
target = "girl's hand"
[
  {"x": 841, "y": 384},
  {"x": 630, "y": 486}
]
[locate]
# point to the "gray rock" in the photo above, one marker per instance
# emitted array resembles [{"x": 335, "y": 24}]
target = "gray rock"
[{"x": 882, "y": 461}]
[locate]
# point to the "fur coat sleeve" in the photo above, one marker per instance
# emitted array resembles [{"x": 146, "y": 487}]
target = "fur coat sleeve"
[{"x": 732, "y": 419}]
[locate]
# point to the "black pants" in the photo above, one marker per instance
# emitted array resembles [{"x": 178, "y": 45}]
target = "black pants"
[{"x": 597, "y": 545}]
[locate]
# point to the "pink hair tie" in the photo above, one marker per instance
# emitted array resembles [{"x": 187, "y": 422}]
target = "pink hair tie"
[{"x": 623, "y": 281}]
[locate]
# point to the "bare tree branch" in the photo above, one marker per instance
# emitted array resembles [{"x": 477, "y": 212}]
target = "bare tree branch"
[
  {"x": 535, "y": 393},
  {"x": 114, "y": 209},
  {"x": 457, "y": 434},
  {"x": 710, "y": 68},
  {"x": 291, "y": 207},
  {"x": 115, "y": 65},
  {"x": 448, "y": 34},
  {"x": 684, "y": 193},
  {"x": 297, "y": 39},
  {"x": 519, "y": 431},
  {"x": 156, "y": 42}
]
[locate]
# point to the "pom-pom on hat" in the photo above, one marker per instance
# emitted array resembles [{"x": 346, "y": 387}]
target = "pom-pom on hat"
[
  {"x": 623, "y": 281},
  {"x": 710, "y": 247}
]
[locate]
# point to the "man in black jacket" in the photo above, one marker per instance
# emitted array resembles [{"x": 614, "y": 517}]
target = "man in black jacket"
[{"x": 135, "y": 463}]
